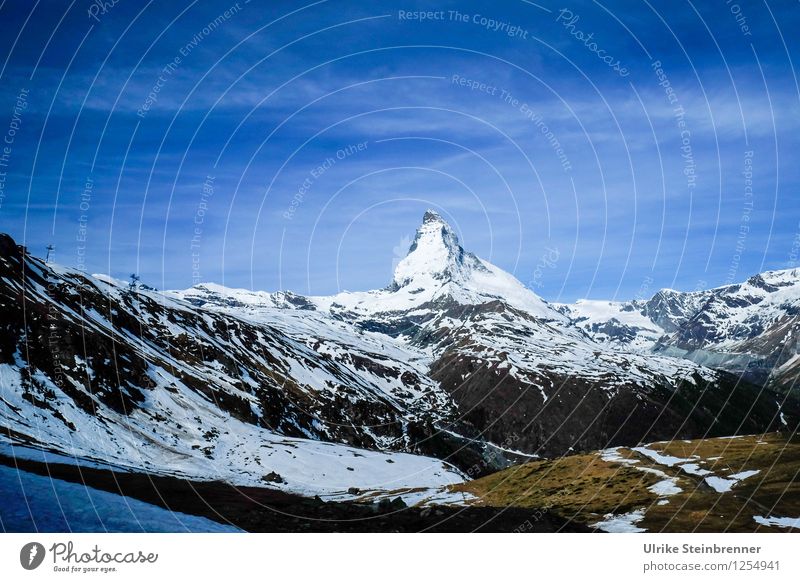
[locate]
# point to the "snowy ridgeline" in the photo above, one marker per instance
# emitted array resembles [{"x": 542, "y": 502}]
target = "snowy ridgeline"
[{"x": 722, "y": 320}]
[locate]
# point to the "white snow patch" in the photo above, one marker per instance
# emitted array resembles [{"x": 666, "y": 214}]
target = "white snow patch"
[
  {"x": 695, "y": 469},
  {"x": 725, "y": 484},
  {"x": 778, "y": 521},
  {"x": 623, "y": 523},
  {"x": 666, "y": 488},
  {"x": 744, "y": 474},
  {"x": 660, "y": 458},
  {"x": 613, "y": 456}
]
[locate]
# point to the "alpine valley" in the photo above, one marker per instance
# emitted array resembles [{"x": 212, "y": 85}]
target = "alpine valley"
[{"x": 453, "y": 399}]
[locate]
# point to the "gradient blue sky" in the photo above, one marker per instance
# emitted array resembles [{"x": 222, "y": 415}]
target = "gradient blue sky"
[{"x": 271, "y": 92}]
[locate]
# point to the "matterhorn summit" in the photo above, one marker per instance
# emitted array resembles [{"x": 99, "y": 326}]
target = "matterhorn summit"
[
  {"x": 436, "y": 271},
  {"x": 435, "y": 257}
]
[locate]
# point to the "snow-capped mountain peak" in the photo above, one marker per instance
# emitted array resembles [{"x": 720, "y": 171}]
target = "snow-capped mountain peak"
[
  {"x": 435, "y": 256},
  {"x": 435, "y": 273},
  {"x": 437, "y": 270}
]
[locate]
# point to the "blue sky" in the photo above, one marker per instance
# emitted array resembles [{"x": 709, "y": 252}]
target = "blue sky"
[{"x": 296, "y": 146}]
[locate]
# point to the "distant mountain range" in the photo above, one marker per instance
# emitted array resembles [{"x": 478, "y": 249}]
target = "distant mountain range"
[
  {"x": 453, "y": 370},
  {"x": 750, "y": 328}
]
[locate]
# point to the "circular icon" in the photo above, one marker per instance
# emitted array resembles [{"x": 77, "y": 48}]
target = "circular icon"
[{"x": 31, "y": 555}]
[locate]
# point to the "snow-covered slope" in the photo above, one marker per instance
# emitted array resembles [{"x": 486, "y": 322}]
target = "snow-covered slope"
[
  {"x": 748, "y": 328},
  {"x": 752, "y": 328},
  {"x": 616, "y": 323},
  {"x": 145, "y": 381}
]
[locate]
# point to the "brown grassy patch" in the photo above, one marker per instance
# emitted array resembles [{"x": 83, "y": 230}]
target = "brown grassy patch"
[
  {"x": 584, "y": 487},
  {"x": 582, "y": 484}
]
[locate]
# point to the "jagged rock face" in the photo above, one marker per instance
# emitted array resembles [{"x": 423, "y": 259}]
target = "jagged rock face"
[
  {"x": 614, "y": 324},
  {"x": 437, "y": 274},
  {"x": 670, "y": 309},
  {"x": 749, "y": 329},
  {"x": 512, "y": 376},
  {"x": 580, "y": 416},
  {"x": 742, "y": 312}
]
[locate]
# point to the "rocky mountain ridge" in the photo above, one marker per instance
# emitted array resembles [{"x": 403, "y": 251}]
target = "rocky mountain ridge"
[
  {"x": 453, "y": 370},
  {"x": 750, "y": 329}
]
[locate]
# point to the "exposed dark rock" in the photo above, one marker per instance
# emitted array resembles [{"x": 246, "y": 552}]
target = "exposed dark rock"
[{"x": 272, "y": 477}]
